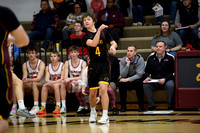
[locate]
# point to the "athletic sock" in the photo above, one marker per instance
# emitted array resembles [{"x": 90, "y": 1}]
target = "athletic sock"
[
  {"x": 63, "y": 103},
  {"x": 14, "y": 106},
  {"x": 93, "y": 109},
  {"x": 58, "y": 103},
  {"x": 105, "y": 113},
  {"x": 21, "y": 104},
  {"x": 43, "y": 104},
  {"x": 36, "y": 103}
]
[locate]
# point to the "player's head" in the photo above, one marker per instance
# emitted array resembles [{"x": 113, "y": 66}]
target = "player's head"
[
  {"x": 31, "y": 53},
  {"x": 89, "y": 19},
  {"x": 54, "y": 56},
  {"x": 78, "y": 26},
  {"x": 74, "y": 51}
]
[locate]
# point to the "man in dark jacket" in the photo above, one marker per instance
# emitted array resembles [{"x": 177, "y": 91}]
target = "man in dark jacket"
[
  {"x": 115, "y": 20},
  {"x": 160, "y": 65},
  {"x": 187, "y": 15},
  {"x": 44, "y": 25}
]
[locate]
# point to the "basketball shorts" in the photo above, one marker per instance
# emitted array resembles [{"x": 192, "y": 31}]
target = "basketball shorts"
[
  {"x": 98, "y": 72},
  {"x": 6, "y": 92}
]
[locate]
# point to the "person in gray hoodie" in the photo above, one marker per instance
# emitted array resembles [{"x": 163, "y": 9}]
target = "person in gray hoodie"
[{"x": 131, "y": 71}]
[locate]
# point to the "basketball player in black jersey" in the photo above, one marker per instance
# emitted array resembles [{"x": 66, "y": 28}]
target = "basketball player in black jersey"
[
  {"x": 10, "y": 29},
  {"x": 99, "y": 67}
]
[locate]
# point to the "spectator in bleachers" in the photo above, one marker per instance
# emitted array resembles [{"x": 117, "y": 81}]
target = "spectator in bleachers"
[
  {"x": 160, "y": 65},
  {"x": 137, "y": 11},
  {"x": 76, "y": 40},
  {"x": 33, "y": 71},
  {"x": 124, "y": 5},
  {"x": 44, "y": 25},
  {"x": 187, "y": 15},
  {"x": 69, "y": 28},
  {"x": 114, "y": 19},
  {"x": 131, "y": 71},
  {"x": 169, "y": 7},
  {"x": 171, "y": 38},
  {"x": 74, "y": 68},
  {"x": 196, "y": 42},
  {"x": 64, "y": 8},
  {"x": 83, "y": 5},
  {"x": 96, "y": 6},
  {"x": 53, "y": 76}
]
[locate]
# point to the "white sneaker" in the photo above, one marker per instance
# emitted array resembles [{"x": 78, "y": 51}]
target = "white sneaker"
[
  {"x": 93, "y": 116},
  {"x": 63, "y": 110},
  {"x": 13, "y": 111},
  {"x": 103, "y": 120},
  {"x": 134, "y": 24},
  {"x": 34, "y": 110},
  {"x": 139, "y": 23}
]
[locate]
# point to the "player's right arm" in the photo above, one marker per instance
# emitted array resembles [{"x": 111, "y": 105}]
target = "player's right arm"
[
  {"x": 24, "y": 70},
  {"x": 19, "y": 37},
  {"x": 95, "y": 41},
  {"x": 47, "y": 75}
]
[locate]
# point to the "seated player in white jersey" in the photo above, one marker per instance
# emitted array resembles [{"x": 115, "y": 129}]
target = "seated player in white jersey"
[
  {"x": 33, "y": 71},
  {"x": 74, "y": 68},
  {"x": 17, "y": 87},
  {"x": 53, "y": 76}
]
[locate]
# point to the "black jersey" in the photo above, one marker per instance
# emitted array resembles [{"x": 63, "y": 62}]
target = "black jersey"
[
  {"x": 8, "y": 22},
  {"x": 100, "y": 52}
]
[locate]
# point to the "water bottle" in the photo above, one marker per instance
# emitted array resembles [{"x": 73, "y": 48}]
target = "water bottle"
[
  {"x": 106, "y": 16},
  {"x": 57, "y": 47}
]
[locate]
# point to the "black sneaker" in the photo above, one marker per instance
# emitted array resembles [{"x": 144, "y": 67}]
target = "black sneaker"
[
  {"x": 123, "y": 109},
  {"x": 25, "y": 113},
  {"x": 170, "y": 107},
  {"x": 83, "y": 111},
  {"x": 115, "y": 111},
  {"x": 151, "y": 108}
]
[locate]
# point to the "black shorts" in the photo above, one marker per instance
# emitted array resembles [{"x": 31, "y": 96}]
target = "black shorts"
[
  {"x": 98, "y": 72},
  {"x": 6, "y": 92}
]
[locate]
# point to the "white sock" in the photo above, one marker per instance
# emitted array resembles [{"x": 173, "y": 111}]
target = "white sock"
[
  {"x": 35, "y": 103},
  {"x": 93, "y": 109},
  {"x": 21, "y": 104},
  {"x": 58, "y": 103},
  {"x": 105, "y": 113},
  {"x": 63, "y": 103},
  {"x": 43, "y": 104},
  {"x": 14, "y": 106}
]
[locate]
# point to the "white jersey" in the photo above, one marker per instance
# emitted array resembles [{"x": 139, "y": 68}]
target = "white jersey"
[
  {"x": 33, "y": 72},
  {"x": 75, "y": 71},
  {"x": 55, "y": 74}
]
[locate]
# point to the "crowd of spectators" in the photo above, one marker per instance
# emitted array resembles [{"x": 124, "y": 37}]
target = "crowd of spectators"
[{"x": 165, "y": 45}]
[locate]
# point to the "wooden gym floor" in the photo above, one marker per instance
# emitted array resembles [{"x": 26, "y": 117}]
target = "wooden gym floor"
[{"x": 130, "y": 121}]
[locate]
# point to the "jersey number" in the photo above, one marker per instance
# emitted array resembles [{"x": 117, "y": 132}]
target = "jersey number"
[{"x": 97, "y": 51}]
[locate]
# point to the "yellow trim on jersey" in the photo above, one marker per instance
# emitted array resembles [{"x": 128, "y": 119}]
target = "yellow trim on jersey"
[
  {"x": 8, "y": 83},
  {"x": 94, "y": 88},
  {"x": 2, "y": 48},
  {"x": 1, "y": 118},
  {"x": 103, "y": 82}
]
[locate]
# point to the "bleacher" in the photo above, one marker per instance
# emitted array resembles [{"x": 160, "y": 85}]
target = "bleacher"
[{"x": 141, "y": 37}]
